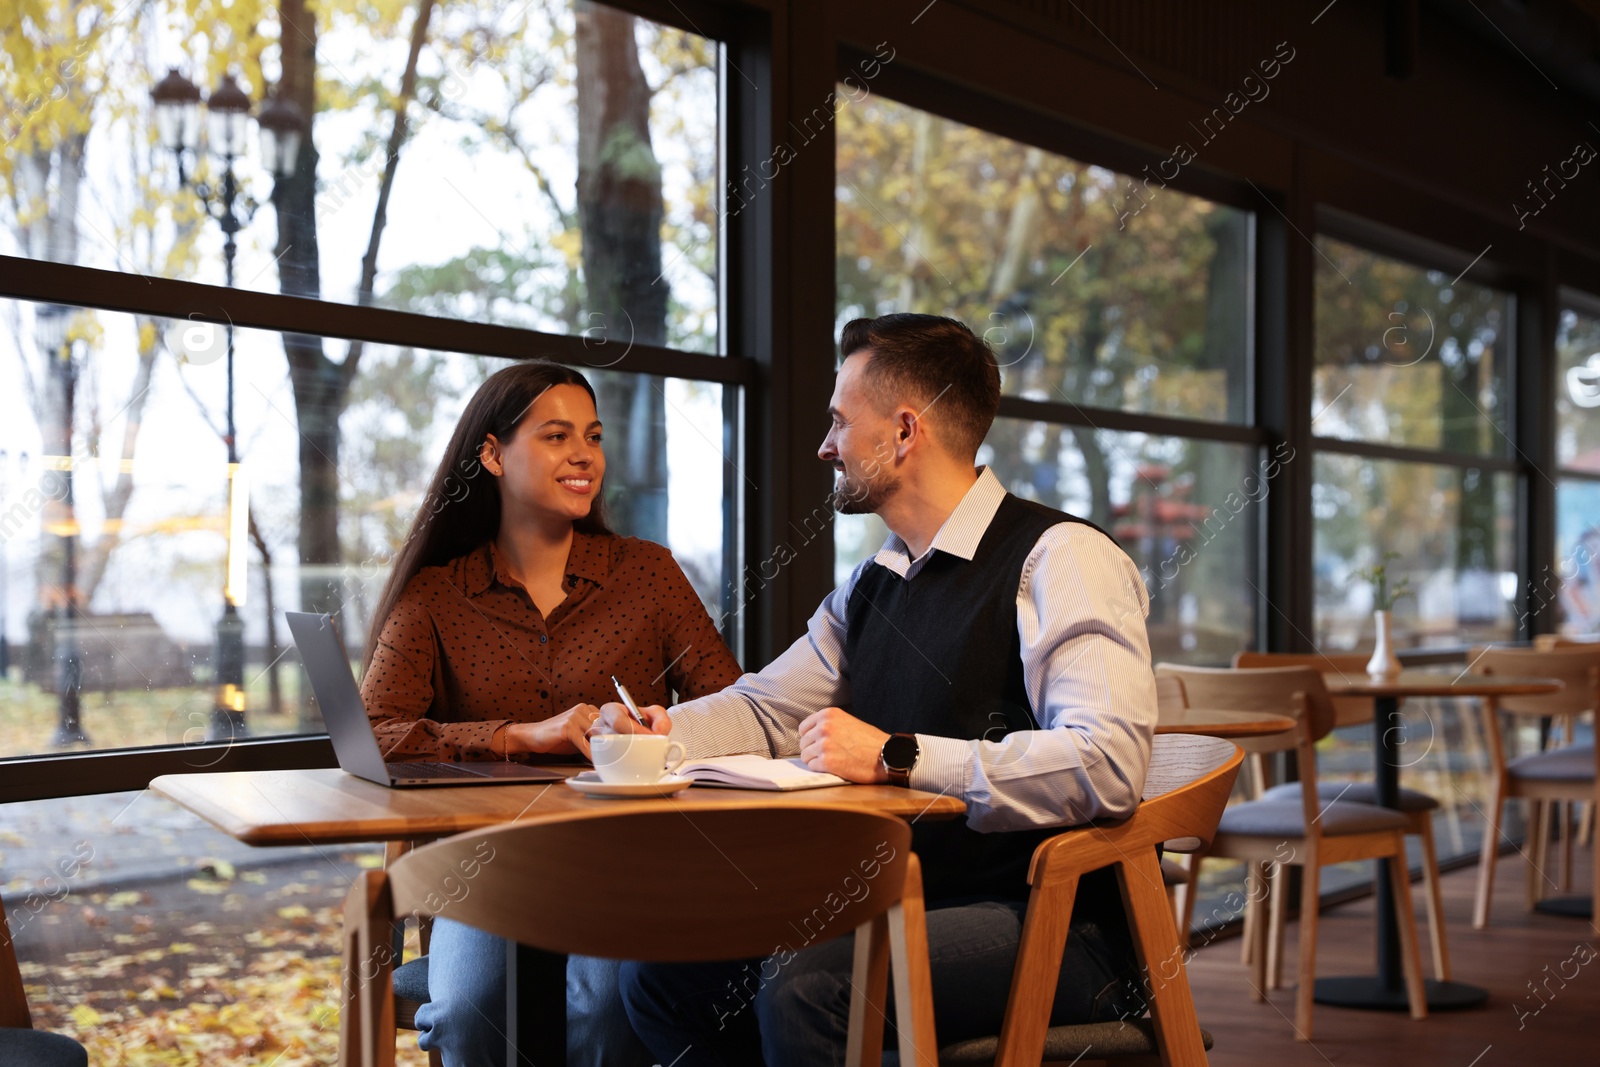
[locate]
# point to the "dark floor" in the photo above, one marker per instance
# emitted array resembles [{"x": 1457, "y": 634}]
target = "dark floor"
[{"x": 1553, "y": 1029}]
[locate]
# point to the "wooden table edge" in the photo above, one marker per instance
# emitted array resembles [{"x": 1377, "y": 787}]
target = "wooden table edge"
[{"x": 933, "y": 806}]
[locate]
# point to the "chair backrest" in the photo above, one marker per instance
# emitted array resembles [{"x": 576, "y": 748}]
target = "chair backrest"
[
  {"x": 1170, "y": 695},
  {"x": 1548, "y": 641},
  {"x": 1185, "y": 792},
  {"x": 13, "y": 998},
  {"x": 704, "y": 884},
  {"x": 1298, "y": 692},
  {"x": 1578, "y": 666},
  {"x": 1347, "y": 711}
]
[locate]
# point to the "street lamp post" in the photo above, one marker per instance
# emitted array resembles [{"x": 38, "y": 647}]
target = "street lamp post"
[
  {"x": 177, "y": 101},
  {"x": 55, "y": 337}
]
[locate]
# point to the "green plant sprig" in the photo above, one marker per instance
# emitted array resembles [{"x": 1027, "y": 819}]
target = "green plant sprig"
[{"x": 1383, "y": 597}]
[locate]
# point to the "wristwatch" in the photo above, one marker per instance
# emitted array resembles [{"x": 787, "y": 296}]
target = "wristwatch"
[{"x": 899, "y": 758}]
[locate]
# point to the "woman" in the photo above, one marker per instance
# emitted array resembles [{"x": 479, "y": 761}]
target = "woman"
[{"x": 508, "y": 610}]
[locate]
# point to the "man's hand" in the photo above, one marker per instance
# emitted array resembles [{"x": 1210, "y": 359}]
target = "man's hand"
[
  {"x": 615, "y": 717},
  {"x": 837, "y": 742}
]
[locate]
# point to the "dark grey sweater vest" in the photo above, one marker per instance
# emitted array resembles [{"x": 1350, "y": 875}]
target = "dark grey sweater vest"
[{"x": 940, "y": 655}]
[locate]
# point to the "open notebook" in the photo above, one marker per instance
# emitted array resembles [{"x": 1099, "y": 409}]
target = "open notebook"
[{"x": 756, "y": 772}]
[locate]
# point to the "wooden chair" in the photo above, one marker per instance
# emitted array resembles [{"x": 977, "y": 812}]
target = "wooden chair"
[
  {"x": 1567, "y": 773},
  {"x": 1585, "y": 831},
  {"x": 733, "y": 883},
  {"x": 1185, "y": 791},
  {"x": 1174, "y": 873},
  {"x": 1418, "y": 807},
  {"x": 20, "y": 1044},
  {"x": 1302, "y": 830}
]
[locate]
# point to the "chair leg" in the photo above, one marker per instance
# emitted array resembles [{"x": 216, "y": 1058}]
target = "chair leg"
[
  {"x": 1255, "y": 915},
  {"x": 1410, "y": 957},
  {"x": 1435, "y": 897},
  {"x": 1586, "y": 824},
  {"x": 366, "y": 1023},
  {"x": 1594, "y": 906},
  {"x": 1171, "y": 1003},
  {"x": 1310, "y": 884},
  {"x": 1538, "y": 856},
  {"x": 1191, "y": 892},
  {"x": 1255, "y": 892},
  {"x": 1488, "y": 853},
  {"x": 1565, "y": 811},
  {"x": 913, "y": 981},
  {"x": 869, "y": 982},
  {"x": 1278, "y": 888}
]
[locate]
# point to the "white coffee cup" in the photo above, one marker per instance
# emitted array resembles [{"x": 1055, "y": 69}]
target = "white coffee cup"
[{"x": 634, "y": 759}]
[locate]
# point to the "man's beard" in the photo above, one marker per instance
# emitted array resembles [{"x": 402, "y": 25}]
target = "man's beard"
[{"x": 853, "y": 497}]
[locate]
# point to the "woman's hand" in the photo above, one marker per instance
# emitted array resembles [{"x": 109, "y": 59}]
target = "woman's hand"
[
  {"x": 561, "y": 734},
  {"x": 616, "y": 717}
]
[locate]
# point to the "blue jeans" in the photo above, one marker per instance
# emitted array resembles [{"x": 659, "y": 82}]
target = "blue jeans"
[
  {"x": 798, "y": 1011},
  {"x": 465, "y": 1016}
]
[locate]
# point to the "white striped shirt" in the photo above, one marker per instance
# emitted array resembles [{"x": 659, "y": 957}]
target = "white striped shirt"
[{"x": 1081, "y": 610}]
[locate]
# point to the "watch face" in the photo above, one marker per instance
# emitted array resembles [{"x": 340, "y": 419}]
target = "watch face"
[{"x": 899, "y": 753}]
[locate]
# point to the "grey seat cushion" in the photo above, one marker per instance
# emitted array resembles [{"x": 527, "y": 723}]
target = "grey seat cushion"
[
  {"x": 1283, "y": 818},
  {"x": 37, "y": 1048},
  {"x": 411, "y": 980},
  {"x": 1355, "y": 792},
  {"x": 1134, "y": 1037},
  {"x": 1172, "y": 874},
  {"x": 1575, "y": 763}
]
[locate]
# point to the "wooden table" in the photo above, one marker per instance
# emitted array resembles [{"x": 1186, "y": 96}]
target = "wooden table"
[
  {"x": 328, "y": 806},
  {"x": 1386, "y": 990},
  {"x": 1219, "y": 722}
]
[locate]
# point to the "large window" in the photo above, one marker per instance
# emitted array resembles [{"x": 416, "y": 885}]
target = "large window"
[
  {"x": 558, "y": 169},
  {"x": 1412, "y": 370},
  {"x": 1576, "y": 582},
  {"x": 116, "y": 533},
  {"x": 1098, "y": 295},
  {"x": 1410, "y": 414},
  {"x": 552, "y": 167}
]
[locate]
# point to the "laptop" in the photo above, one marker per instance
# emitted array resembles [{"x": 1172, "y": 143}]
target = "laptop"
[{"x": 322, "y": 652}]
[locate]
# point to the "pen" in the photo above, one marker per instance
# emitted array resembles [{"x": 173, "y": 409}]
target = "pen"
[{"x": 633, "y": 709}]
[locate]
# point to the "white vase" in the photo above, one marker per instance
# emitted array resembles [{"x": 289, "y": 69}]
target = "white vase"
[{"x": 1384, "y": 663}]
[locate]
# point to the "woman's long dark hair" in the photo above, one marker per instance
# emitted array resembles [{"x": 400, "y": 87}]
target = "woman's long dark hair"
[{"x": 462, "y": 508}]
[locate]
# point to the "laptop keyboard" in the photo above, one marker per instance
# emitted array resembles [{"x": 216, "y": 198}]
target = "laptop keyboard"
[{"x": 441, "y": 770}]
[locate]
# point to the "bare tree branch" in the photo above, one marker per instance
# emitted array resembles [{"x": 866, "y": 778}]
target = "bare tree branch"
[{"x": 397, "y": 139}]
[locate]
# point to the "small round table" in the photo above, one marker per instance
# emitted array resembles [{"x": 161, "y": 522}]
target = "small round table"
[
  {"x": 1386, "y": 989},
  {"x": 1217, "y": 722}
]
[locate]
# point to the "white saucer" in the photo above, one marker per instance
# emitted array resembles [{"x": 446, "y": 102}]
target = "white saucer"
[{"x": 589, "y": 783}]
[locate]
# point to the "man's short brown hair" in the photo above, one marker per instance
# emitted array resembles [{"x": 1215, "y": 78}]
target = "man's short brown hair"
[{"x": 934, "y": 363}]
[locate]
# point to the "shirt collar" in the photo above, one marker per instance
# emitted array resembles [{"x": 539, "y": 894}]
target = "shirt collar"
[
  {"x": 589, "y": 559},
  {"x": 961, "y": 532}
]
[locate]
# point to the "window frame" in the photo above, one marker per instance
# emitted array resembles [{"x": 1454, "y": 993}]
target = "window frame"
[{"x": 745, "y": 345}]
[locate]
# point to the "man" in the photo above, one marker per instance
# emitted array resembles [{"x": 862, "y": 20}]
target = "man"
[{"x": 993, "y": 649}]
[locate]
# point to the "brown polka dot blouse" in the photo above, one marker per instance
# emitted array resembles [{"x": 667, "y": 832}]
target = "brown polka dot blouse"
[{"x": 465, "y": 652}]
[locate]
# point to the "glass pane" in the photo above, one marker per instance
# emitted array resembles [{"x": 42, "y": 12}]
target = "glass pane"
[
  {"x": 1094, "y": 288},
  {"x": 1185, "y": 511},
  {"x": 135, "y": 523},
  {"x": 1406, "y": 356},
  {"x": 152, "y": 938},
  {"x": 1578, "y": 392},
  {"x": 1576, "y": 584},
  {"x": 555, "y": 172},
  {"x": 1454, "y": 532}
]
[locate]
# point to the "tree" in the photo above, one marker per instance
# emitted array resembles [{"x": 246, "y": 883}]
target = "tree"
[{"x": 1092, "y": 294}]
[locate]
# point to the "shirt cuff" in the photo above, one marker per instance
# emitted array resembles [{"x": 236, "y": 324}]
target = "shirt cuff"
[
  {"x": 476, "y": 746},
  {"x": 943, "y": 765}
]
